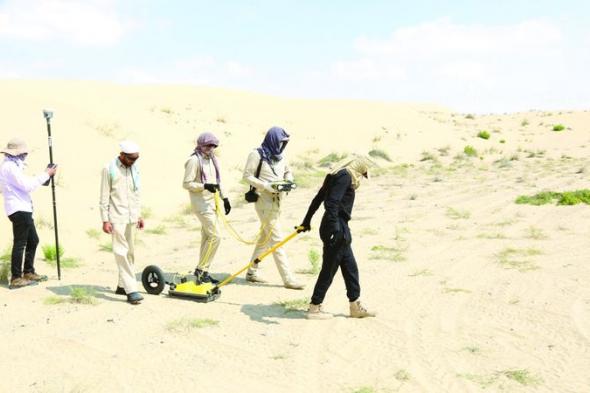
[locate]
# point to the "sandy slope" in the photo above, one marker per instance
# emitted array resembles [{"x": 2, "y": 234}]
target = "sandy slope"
[{"x": 429, "y": 236}]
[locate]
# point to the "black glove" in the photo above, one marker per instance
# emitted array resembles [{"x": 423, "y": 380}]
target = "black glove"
[
  {"x": 211, "y": 187},
  {"x": 306, "y": 225},
  {"x": 226, "y": 206}
]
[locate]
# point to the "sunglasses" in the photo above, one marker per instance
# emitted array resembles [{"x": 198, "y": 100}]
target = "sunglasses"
[
  {"x": 211, "y": 145},
  {"x": 130, "y": 158}
]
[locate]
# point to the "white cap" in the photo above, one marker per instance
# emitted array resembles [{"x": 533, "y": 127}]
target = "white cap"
[{"x": 129, "y": 147}]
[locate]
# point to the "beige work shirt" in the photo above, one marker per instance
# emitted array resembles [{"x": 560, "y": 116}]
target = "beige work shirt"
[
  {"x": 201, "y": 199},
  {"x": 119, "y": 194},
  {"x": 277, "y": 171}
]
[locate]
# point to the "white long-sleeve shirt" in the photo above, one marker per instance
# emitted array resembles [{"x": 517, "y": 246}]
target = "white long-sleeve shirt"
[{"x": 17, "y": 187}]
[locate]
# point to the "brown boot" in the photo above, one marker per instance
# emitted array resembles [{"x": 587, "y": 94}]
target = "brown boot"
[
  {"x": 357, "y": 310},
  {"x": 34, "y": 277},
  {"x": 315, "y": 312},
  {"x": 20, "y": 282}
]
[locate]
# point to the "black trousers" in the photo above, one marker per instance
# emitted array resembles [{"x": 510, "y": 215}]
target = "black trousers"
[
  {"x": 25, "y": 242},
  {"x": 337, "y": 256}
]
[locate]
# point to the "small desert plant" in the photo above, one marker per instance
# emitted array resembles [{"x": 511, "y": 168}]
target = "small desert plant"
[
  {"x": 469, "y": 116},
  {"x": 66, "y": 263},
  {"x": 93, "y": 233},
  {"x": 483, "y": 134},
  {"x": 470, "y": 151},
  {"x": 49, "y": 252},
  {"x": 331, "y": 158},
  {"x": 306, "y": 179},
  {"x": 518, "y": 259},
  {"x": 5, "y": 264},
  {"x": 472, "y": 349},
  {"x": 457, "y": 214},
  {"x": 314, "y": 260},
  {"x": 427, "y": 156},
  {"x": 187, "y": 324},
  {"x": 523, "y": 377},
  {"x": 423, "y": 272},
  {"x": 107, "y": 247},
  {"x": 558, "y": 127},
  {"x": 159, "y": 230},
  {"x": 380, "y": 154},
  {"x": 82, "y": 295},
  {"x": 51, "y": 300},
  {"x": 364, "y": 389},
  {"x": 146, "y": 212},
  {"x": 566, "y": 198},
  {"x": 402, "y": 375},
  {"x": 536, "y": 233},
  {"x": 294, "y": 305},
  {"x": 220, "y": 120},
  {"x": 524, "y": 123},
  {"x": 166, "y": 110},
  {"x": 395, "y": 254}
]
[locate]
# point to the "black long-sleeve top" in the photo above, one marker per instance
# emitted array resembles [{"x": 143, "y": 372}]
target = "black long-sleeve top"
[{"x": 337, "y": 194}]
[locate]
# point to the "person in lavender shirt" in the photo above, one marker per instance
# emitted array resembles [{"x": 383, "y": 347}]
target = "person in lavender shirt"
[{"x": 16, "y": 188}]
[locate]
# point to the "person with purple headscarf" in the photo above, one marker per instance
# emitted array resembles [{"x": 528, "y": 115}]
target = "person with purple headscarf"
[
  {"x": 202, "y": 179},
  {"x": 273, "y": 168}
]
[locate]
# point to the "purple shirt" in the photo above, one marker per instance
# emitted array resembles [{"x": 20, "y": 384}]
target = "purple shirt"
[{"x": 16, "y": 187}]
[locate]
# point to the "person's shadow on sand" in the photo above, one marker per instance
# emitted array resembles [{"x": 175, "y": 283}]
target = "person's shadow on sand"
[
  {"x": 100, "y": 292},
  {"x": 266, "y": 313}
]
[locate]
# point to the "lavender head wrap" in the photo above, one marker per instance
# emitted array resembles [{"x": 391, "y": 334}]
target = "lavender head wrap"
[{"x": 207, "y": 138}]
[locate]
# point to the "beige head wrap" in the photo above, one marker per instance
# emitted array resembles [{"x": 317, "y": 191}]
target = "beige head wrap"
[{"x": 357, "y": 166}]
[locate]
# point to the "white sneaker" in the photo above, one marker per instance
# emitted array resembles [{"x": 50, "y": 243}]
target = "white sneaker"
[
  {"x": 294, "y": 285},
  {"x": 315, "y": 312},
  {"x": 254, "y": 277}
]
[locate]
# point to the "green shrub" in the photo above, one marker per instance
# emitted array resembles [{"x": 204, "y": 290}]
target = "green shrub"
[
  {"x": 66, "y": 263},
  {"x": 331, "y": 158},
  {"x": 314, "y": 259},
  {"x": 93, "y": 233},
  {"x": 558, "y": 127},
  {"x": 483, "y": 134},
  {"x": 470, "y": 151},
  {"x": 380, "y": 154},
  {"x": 159, "y": 230},
  {"x": 566, "y": 198},
  {"x": 188, "y": 324},
  {"x": 50, "y": 253},
  {"x": 82, "y": 295},
  {"x": 469, "y": 116},
  {"x": 294, "y": 305},
  {"x": 524, "y": 123}
]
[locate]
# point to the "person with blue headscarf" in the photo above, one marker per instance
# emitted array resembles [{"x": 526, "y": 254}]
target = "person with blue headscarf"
[{"x": 266, "y": 165}]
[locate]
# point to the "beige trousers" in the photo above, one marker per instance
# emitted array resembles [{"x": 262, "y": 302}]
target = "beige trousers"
[
  {"x": 124, "y": 250},
  {"x": 269, "y": 211},
  {"x": 210, "y": 238}
]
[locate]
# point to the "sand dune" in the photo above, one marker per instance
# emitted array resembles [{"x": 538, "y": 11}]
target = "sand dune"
[{"x": 474, "y": 292}]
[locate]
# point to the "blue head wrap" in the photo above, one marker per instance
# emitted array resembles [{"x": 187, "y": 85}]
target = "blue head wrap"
[{"x": 273, "y": 145}]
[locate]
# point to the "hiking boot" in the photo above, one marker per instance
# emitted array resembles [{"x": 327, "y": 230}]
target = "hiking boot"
[
  {"x": 294, "y": 285},
  {"x": 120, "y": 291},
  {"x": 134, "y": 298},
  {"x": 20, "y": 282},
  {"x": 315, "y": 312},
  {"x": 34, "y": 277},
  {"x": 204, "y": 277},
  {"x": 253, "y": 277},
  {"x": 357, "y": 310}
]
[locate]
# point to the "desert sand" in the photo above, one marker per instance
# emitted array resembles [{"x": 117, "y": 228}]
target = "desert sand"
[{"x": 473, "y": 291}]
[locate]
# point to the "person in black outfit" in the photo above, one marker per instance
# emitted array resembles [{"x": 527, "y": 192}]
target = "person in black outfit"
[{"x": 338, "y": 193}]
